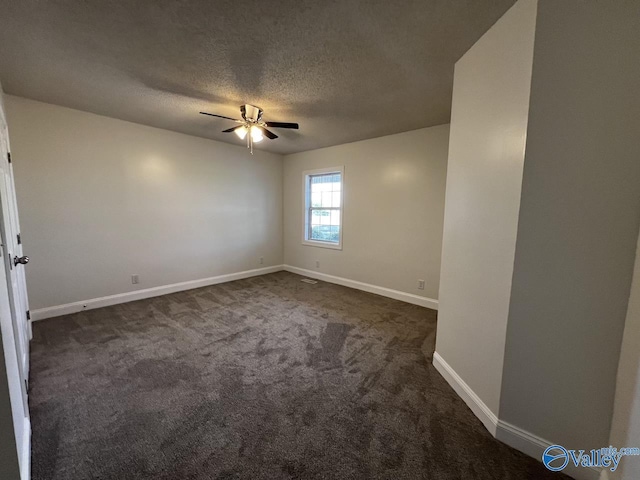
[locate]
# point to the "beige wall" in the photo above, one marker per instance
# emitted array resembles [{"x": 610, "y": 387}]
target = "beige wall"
[
  {"x": 486, "y": 156},
  {"x": 578, "y": 225},
  {"x": 102, "y": 199},
  {"x": 393, "y": 210},
  {"x": 539, "y": 249},
  {"x": 625, "y": 428}
]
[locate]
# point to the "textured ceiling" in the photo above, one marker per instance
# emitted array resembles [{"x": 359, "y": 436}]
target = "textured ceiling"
[{"x": 345, "y": 70}]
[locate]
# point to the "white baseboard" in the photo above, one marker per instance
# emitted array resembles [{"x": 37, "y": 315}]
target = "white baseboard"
[
  {"x": 367, "y": 287},
  {"x": 515, "y": 437},
  {"x": 67, "y": 308},
  {"x": 55, "y": 311},
  {"x": 473, "y": 401},
  {"x": 521, "y": 440},
  {"x": 534, "y": 446}
]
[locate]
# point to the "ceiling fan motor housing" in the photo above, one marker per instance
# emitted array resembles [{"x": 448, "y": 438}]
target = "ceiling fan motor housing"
[{"x": 252, "y": 113}]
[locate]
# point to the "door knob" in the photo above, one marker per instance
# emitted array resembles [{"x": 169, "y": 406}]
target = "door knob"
[{"x": 23, "y": 260}]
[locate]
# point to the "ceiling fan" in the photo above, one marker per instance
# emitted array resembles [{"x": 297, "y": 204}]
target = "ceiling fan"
[{"x": 251, "y": 126}]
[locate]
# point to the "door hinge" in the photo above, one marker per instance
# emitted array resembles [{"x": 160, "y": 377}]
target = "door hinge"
[
  {"x": 28, "y": 314},
  {"x": 19, "y": 239},
  {"x": 9, "y": 156}
]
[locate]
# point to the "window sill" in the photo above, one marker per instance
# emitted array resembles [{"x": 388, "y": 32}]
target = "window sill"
[{"x": 332, "y": 246}]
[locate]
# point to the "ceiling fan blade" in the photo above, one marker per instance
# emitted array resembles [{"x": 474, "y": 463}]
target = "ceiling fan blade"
[
  {"x": 230, "y": 129},
  {"x": 282, "y": 125},
  {"x": 219, "y": 116},
  {"x": 267, "y": 133}
]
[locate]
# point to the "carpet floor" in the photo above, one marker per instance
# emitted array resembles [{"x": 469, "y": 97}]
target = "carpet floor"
[{"x": 263, "y": 378}]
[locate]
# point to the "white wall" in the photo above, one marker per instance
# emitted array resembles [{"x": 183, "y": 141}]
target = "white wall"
[
  {"x": 486, "y": 156},
  {"x": 393, "y": 210},
  {"x": 102, "y": 199},
  {"x": 625, "y": 427},
  {"x": 578, "y": 226}
]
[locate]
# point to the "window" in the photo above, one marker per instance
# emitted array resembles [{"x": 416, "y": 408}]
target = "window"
[{"x": 323, "y": 207}]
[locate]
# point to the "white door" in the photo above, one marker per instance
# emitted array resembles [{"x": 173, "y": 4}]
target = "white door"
[
  {"x": 12, "y": 257},
  {"x": 15, "y": 388},
  {"x": 14, "y": 325}
]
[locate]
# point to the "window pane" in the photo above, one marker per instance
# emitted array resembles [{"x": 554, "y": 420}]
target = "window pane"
[
  {"x": 325, "y": 183},
  {"x": 325, "y": 233},
  {"x": 321, "y": 232},
  {"x": 323, "y": 196},
  {"x": 335, "y": 199}
]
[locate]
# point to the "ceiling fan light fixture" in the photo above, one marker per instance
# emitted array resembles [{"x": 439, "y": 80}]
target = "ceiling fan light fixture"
[
  {"x": 241, "y": 132},
  {"x": 256, "y": 134}
]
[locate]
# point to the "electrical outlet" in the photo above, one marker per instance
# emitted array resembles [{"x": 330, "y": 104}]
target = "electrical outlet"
[
  {"x": 420, "y": 284},
  {"x": 317, "y": 263},
  {"x": 261, "y": 260},
  {"x": 135, "y": 279}
]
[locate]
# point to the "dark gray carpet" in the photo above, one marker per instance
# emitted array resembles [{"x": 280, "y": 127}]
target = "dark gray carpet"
[{"x": 264, "y": 378}]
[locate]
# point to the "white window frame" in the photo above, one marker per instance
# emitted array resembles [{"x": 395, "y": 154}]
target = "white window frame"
[{"x": 306, "y": 205}]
